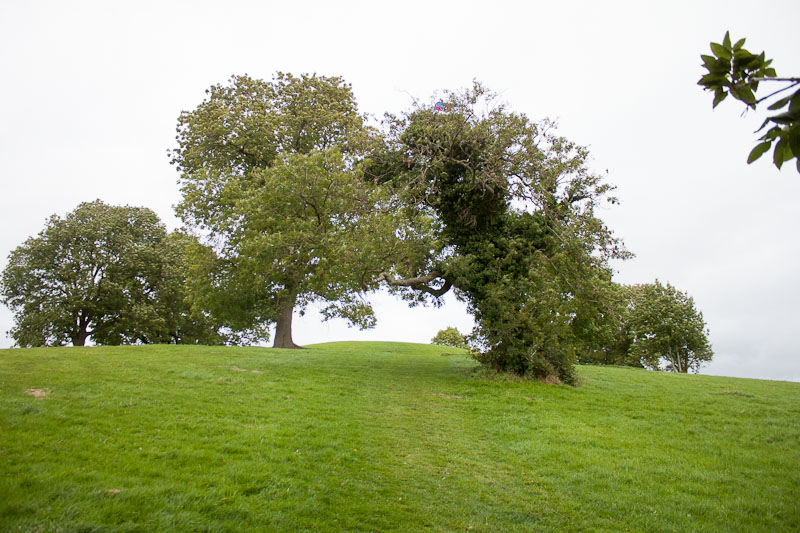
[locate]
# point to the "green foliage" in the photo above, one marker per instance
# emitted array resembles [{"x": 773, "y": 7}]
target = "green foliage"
[
  {"x": 269, "y": 171},
  {"x": 249, "y": 124},
  {"x": 451, "y": 337},
  {"x": 518, "y": 237},
  {"x": 103, "y": 272},
  {"x": 665, "y": 328},
  {"x": 383, "y": 437},
  {"x": 302, "y": 234},
  {"x": 180, "y": 318},
  {"x": 735, "y": 71},
  {"x": 87, "y": 274},
  {"x": 649, "y": 325},
  {"x": 605, "y": 337}
]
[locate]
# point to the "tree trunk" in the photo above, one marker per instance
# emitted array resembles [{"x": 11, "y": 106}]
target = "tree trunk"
[
  {"x": 283, "y": 327},
  {"x": 79, "y": 339},
  {"x": 79, "y": 333}
]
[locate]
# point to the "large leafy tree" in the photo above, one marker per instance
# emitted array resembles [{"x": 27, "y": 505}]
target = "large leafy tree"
[
  {"x": 268, "y": 175},
  {"x": 666, "y": 329},
  {"x": 735, "y": 71},
  {"x": 517, "y": 234},
  {"x": 309, "y": 229},
  {"x": 103, "y": 272}
]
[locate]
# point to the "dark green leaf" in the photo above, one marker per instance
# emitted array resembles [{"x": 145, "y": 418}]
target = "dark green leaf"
[
  {"x": 708, "y": 61},
  {"x": 726, "y": 41},
  {"x": 747, "y": 64},
  {"x": 758, "y": 151},
  {"x": 772, "y": 134},
  {"x": 720, "y": 51},
  {"x": 780, "y": 103},
  {"x": 720, "y": 66},
  {"x": 770, "y": 73},
  {"x": 719, "y": 96},
  {"x": 711, "y": 80},
  {"x": 795, "y": 105},
  {"x": 777, "y": 155},
  {"x": 786, "y": 118},
  {"x": 744, "y": 94},
  {"x": 747, "y": 95},
  {"x": 794, "y": 140},
  {"x": 717, "y": 66},
  {"x": 738, "y": 44}
]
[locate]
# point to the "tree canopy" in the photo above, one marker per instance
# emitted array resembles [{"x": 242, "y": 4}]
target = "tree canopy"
[
  {"x": 103, "y": 272},
  {"x": 648, "y": 325},
  {"x": 735, "y": 71},
  {"x": 451, "y": 337},
  {"x": 269, "y": 173},
  {"x": 666, "y": 329},
  {"x": 517, "y": 234},
  {"x": 248, "y": 124}
]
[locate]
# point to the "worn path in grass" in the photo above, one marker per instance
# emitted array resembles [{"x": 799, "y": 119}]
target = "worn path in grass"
[{"x": 381, "y": 437}]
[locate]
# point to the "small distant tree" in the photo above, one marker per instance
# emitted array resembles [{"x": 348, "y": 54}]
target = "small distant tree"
[
  {"x": 666, "y": 329},
  {"x": 451, "y": 337}
]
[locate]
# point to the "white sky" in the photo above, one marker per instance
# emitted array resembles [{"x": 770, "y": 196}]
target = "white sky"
[{"x": 90, "y": 93}]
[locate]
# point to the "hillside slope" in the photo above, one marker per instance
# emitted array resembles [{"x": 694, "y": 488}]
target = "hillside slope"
[{"x": 383, "y": 437}]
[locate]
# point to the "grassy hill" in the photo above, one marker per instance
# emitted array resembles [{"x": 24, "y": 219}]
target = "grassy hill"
[{"x": 383, "y": 437}]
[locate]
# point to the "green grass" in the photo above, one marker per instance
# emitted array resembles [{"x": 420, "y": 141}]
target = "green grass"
[{"x": 383, "y": 437}]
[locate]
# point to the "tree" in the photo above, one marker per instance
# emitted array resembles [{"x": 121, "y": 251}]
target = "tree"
[
  {"x": 515, "y": 228},
  {"x": 103, "y": 272},
  {"x": 605, "y": 338},
  {"x": 450, "y": 337},
  {"x": 735, "y": 71},
  {"x": 268, "y": 172},
  {"x": 666, "y": 328},
  {"x": 304, "y": 235},
  {"x": 178, "y": 317}
]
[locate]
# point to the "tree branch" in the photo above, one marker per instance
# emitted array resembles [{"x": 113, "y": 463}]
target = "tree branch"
[
  {"x": 794, "y": 80},
  {"x": 793, "y": 85},
  {"x": 419, "y": 283}
]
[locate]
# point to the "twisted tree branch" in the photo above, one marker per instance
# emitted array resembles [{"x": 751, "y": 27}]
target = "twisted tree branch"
[{"x": 419, "y": 283}]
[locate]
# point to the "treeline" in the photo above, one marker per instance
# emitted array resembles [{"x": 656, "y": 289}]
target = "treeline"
[{"x": 291, "y": 196}]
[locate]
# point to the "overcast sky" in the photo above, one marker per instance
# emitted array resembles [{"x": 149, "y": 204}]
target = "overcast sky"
[{"x": 90, "y": 93}]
